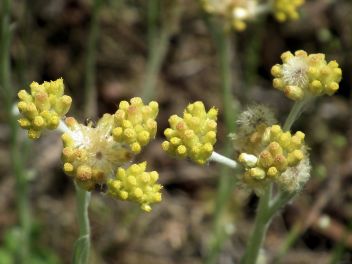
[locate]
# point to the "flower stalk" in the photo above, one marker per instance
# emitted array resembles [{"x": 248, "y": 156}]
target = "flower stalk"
[
  {"x": 90, "y": 92},
  {"x": 295, "y": 112},
  {"x": 223, "y": 42},
  {"x": 158, "y": 44},
  {"x": 223, "y": 160},
  {"x": 82, "y": 244},
  {"x": 261, "y": 224},
  {"x": 17, "y": 159}
]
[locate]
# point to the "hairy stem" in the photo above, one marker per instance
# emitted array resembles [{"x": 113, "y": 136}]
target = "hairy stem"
[
  {"x": 224, "y": 48},
  {"x": 223, "y": 160},
  {"x": 15, "y": 148},
  {"x": 226, "y": 182},
  {"x": 90, "y": 93},
  {"x": 281, "y": 199},
  {"x": 295, "y": 112},
  {"x": 158, "y": 44},
  {"x": 82, "y": 244},
  {"x": 261, "y": 225}
]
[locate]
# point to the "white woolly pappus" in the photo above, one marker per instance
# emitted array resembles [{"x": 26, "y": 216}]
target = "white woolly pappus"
[
  {"x": 294, "y": 178},
  {"x": 294, "y": 72},
  {"x": 254, "y": 115}
]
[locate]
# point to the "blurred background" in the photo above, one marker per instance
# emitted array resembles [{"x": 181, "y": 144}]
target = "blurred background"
[{"x": 165, "y": 50}]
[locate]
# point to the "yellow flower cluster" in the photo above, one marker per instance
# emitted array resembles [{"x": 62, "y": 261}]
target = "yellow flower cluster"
[
  {"x": 90, "y": 153},
  {"x": 134, "y": 123},
  {"x": 134, "y": 184},
  {"x": 276, "y": 151},
  {"x": 286, "y": 9},
  {"x": 43, "y": 107},
  {"x": 235, "y": 12},
  {"x": 303, "y": 75},
  {"x": 94, "y": 154},
  {"x": 194, "y": 135}
]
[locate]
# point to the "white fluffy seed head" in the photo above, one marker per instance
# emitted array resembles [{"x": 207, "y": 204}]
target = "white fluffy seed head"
[
  {"x": 255, "y": 115},
  {"x": 294, "y": 72}
]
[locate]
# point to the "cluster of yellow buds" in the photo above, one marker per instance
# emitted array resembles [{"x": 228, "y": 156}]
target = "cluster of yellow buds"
[
  {"x": 43, "y": 107},
  {"x": 302, "y": 75},
  {"x": 134, "y": 123},
  {"x": 235, "y": 12},
  {"x": 286, "y": 9},
  {"x": 272, "y": 151},
  {"x": 136, "y": 185},
  {"x": 94, "y": 153},
  {"x": 192, "y": 136}
]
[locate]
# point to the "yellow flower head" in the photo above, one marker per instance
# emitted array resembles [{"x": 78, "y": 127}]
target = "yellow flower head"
[
  {"x": 302, "y": 75},
  {"x": 194, "y": 135},
  {"x": 90, "y": 153},
  {"x": 94, "y": 154},
  {"x": 272, "y": 152},
  {"x": 135, "y": 184},
  {"x": 134, "y": 123},
  {"x": 286, "y": 9},
  {"x": 234, "y": 12},
  {"x": 43, "y": 107}
]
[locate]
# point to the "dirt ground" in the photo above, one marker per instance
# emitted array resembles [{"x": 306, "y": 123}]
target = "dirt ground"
[{"x": 50, "y": 41}]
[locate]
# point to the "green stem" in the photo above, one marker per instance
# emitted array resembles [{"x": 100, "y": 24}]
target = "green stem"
[
  {"x": 295, "y": 112},
  {"x": 158, "y": 46},
  {"x": 15, "y": 148},
  {"x": 261, "y": 225},
  {"x": 90, "y": 92},
  {"x": 225, "y": 47},
  {"x": 5, "y": 50},
  {"x": 219, "y": 234},
  {"x": 279, "y": 202},
  {"x": 223, "y": 160},
  {"x": 226, "y": 182},
  {"x": 152, "y": 17},
  {"x": 82, "y": 245}
]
